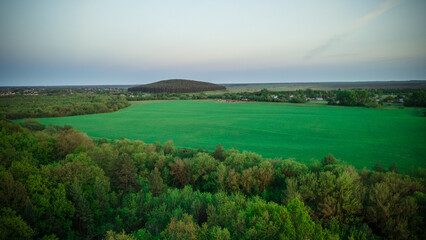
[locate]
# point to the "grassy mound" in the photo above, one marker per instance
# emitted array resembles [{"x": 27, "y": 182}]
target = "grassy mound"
[{"x": 177, "y": 86}]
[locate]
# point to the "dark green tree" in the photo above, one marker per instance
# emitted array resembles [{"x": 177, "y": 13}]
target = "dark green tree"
[
  {"x": 329, "y": 160},
  {"x": 12, "y": 193},
  {"x": 125, "y": 174},
  {"x": 219, "y": 153},
  {"x": 393, "y": 168},
  {"x": 156, "y": 184},
  {"x": 12, "y": 226},
  {"x": 378, "y": 167}
]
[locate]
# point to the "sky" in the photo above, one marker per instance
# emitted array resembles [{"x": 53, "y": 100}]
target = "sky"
[{"x": 99, "y": 42}]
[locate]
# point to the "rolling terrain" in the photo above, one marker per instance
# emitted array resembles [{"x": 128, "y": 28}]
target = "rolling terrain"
[{"x": 177, "y": 86}]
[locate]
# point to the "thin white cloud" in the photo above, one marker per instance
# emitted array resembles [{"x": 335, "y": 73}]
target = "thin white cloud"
[{"x": 355, "y": 26}]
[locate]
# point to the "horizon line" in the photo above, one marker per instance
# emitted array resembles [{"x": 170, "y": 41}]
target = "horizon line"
[{"x": 236, "y": 83}]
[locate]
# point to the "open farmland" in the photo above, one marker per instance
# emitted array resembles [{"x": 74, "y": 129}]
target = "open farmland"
[{"x": 359, "y": 136}]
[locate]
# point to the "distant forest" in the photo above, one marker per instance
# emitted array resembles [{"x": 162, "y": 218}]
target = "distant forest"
[
  {"x": 327, "y": 85},
  {"x": 57, "y": 183},
  {"x": 58, "y": 105},
  {"x": 354, "y": 97}
]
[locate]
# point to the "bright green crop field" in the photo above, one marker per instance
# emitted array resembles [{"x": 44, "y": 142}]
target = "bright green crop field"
[{"x": 358, "y": 136}]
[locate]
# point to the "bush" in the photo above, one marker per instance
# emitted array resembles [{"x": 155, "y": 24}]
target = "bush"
[{"x": 33, "y": 125}]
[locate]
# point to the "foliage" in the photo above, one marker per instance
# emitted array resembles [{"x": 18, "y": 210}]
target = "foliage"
[
  {"x": 356, "y": 97},
  {"x": 329, "y": 160},
  {"x": 13, "y": 226},
  {"x": 118, "y": 236},
  {"x": 416, "y": 99},
  {"x": 183, "y": 229},
  {"x": 298, "y": 99},
  {"x": 28, "y": 106},
  {"x": 123, "y": 189},
  {"x": 33, "y": 125}
]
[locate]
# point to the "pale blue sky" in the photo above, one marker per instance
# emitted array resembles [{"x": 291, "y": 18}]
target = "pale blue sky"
[{"x": 223, "y": 41}]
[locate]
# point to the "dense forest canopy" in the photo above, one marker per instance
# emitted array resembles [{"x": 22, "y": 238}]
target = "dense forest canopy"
[
  {"x": 177, "y": 86},
  {"x": 55, "y": 182}
]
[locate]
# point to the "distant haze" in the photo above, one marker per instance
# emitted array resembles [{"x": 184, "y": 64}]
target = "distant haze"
[{"x": 90, "y": 42}]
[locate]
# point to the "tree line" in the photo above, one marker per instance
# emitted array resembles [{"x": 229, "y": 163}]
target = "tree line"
[
  {"x": 355, "y": 97},
  {"x": 359, "y": 97},
  {"x": 56, "y": 182},
  {"x": 35, "y": 106}
]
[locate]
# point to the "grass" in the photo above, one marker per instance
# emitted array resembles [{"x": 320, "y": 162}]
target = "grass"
[{"x": 358, "y": 136}]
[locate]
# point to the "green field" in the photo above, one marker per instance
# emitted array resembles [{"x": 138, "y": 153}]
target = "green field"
[{"x": 359, "y": 136}]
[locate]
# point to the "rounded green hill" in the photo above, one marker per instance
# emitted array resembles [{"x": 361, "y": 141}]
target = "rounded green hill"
[{"x": 177, "y": 86}]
